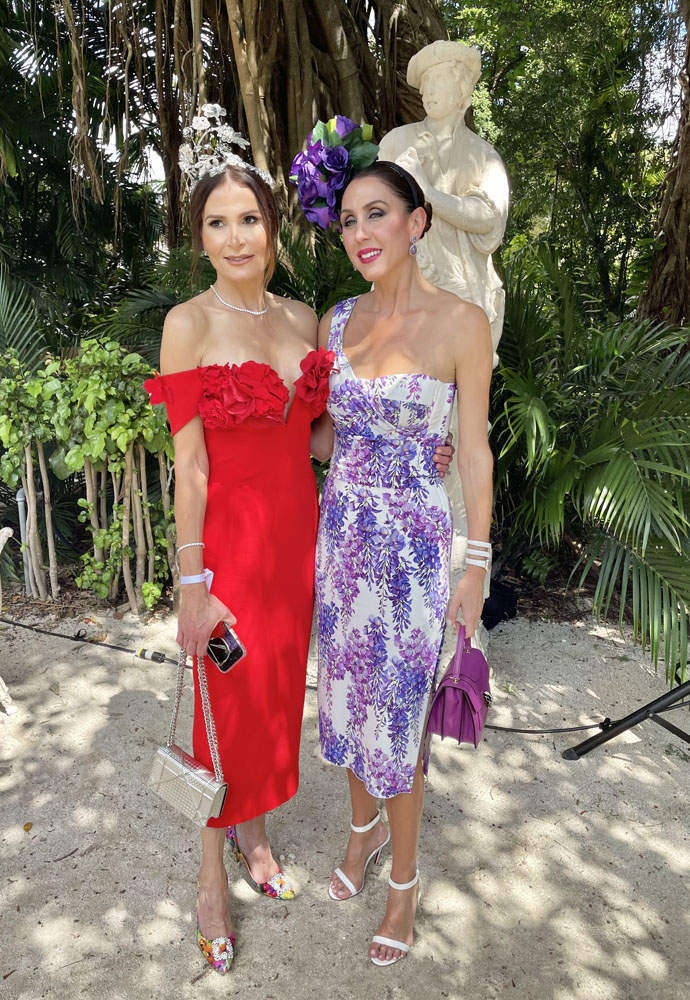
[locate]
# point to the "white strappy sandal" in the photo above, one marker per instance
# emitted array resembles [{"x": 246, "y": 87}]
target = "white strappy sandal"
[
  {"x": 400, "y": 945},
  {"x": 374, "y": 854}
]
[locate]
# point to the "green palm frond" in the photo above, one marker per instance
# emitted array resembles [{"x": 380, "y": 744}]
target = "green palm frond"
[
  {"x": 658, "y": 582},
  {"x": 542, "y": 513},
  {"x": 528, "y": 418},
  {"x": 634, "y": 478},
  {"x": 138, "y": 320},
  {"x": 19, "y": 325},
  {"x": 527, "y": 323},
  {"x": 564, "y": 297},
  {"x": 592, "y": 428}
]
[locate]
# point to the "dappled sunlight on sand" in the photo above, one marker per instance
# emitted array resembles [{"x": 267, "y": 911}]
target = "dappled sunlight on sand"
[{"x": 543, "y": 879}]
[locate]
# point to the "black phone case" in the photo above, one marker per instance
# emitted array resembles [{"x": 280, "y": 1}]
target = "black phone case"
[{"x": 237, "y": 650}]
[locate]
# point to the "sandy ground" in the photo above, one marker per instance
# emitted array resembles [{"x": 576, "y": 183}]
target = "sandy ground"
[{"x": 543, "y": 879}]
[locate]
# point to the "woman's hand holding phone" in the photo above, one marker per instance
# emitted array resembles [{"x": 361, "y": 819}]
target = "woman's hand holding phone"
[{"x": 199, "y": 614}]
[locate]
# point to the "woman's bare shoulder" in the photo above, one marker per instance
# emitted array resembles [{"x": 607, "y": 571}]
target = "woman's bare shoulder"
[
  {"x": 456, "y": 316},
  {"x": 465, "y": 328},
  {"x": 183, "y": 336},
  {"x": 295, "y": 311},
  {"x": 296, "y": 317}
]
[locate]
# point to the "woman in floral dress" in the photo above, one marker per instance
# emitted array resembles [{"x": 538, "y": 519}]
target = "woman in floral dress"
[{"x": 401, "y": 352}]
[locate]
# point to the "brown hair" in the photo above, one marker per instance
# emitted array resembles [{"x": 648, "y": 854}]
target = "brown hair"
[
  {"x": 265, "y": 200},
  {"x": 401, "y": 183}
]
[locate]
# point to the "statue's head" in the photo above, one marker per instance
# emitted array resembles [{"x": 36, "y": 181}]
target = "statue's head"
[{"x": 445, "y": 73}]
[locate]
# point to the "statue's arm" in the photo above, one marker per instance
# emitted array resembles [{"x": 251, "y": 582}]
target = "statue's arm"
[{"x": 482, "y": 212}]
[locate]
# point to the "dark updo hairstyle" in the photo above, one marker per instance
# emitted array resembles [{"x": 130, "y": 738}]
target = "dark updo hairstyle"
[
  {"x": 265, "y": 200},
  {"x": 401, "y": 183}
]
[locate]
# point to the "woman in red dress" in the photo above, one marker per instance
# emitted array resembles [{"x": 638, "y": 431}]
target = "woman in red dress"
[{"x": 242, "y": 383}]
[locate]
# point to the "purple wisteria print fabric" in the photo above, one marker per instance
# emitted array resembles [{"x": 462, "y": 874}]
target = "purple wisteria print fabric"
[{"x": 382, "y": 564}]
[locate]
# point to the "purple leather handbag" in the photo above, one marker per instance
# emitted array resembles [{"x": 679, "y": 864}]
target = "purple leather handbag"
[{"x": 461, "y": 701}]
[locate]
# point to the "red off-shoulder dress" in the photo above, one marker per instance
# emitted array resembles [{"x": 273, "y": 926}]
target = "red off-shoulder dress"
[{"x": 260, "y": 536}]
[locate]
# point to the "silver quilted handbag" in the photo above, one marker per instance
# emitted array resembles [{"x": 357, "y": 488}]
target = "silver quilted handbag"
[{"x": 177, "y": 777}]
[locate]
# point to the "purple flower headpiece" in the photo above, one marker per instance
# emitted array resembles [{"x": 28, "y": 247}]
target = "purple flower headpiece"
[{"x": 334, "y": 149}]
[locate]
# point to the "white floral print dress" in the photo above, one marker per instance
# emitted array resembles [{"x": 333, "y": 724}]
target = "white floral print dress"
[{"x": 382, "y": 567}]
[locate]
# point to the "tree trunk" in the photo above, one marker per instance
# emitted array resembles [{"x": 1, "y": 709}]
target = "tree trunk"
[
  {"x": 169, "y": 119},
  {"x": 299, "y": 60},
  {"x": 164, "y": 474},
  {"x": 151, "y": 565},
  {"x": 134, "y": 603},
  {"x": 199, "y": 92},
  {"x": 243, "y": 16},
  {"x": 84, "y": 153},
  {"x": 667, "y": 296},
  {"x": 91, "y": 486},
  {"x": 117, "y": 567},
  {"x": 33, "y": 586},
  {"x": 139, "y": 536},
  {"x": 103, "y": 495},
  {"x": 48, "y": 514},
  {"x": 276, "y": 67},
  {"x": 32, "y": 534}
]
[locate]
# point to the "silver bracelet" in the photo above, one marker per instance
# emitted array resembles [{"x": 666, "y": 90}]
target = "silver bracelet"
[
  {"x": 190, "y": 545},
  {"x": 187, "y": 545}
]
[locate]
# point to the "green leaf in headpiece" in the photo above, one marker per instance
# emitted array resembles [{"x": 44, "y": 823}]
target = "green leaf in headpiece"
[{"x": 364, "y": 155}]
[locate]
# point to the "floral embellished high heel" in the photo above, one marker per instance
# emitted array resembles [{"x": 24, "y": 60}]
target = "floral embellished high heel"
[
  {"x": 218, "y": 952},
  {"x": 277, "y": 887}
]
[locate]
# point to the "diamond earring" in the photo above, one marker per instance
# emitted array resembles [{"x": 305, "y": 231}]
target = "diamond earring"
[{"x": 413, "y": 247}]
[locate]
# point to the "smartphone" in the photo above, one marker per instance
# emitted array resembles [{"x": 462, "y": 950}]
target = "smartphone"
[{"x": 224, "y": 648}]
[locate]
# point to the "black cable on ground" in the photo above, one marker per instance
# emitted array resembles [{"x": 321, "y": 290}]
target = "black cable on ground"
[
  {"x": 158, "y": 657},
  {"x": 80, "y": 636},
  {"x": 604, "y": 724}
]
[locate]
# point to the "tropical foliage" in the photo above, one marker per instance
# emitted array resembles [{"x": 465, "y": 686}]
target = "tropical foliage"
[
  {"x": 89, "y": 416},
  {"x": 592, "y": 430},
  {"x": 580, "y": 97}
]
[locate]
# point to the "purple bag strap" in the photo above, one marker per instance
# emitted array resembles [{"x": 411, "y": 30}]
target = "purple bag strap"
[{"x": 464, "y": 646}]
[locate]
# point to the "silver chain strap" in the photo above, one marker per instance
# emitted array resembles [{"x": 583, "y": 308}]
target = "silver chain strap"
[{"x": 205, "y": 704}]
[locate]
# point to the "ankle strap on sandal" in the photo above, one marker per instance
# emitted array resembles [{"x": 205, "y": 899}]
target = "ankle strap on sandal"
[
  {"x": 369, "y": 826},
  {"x": 404, "y": 885}
]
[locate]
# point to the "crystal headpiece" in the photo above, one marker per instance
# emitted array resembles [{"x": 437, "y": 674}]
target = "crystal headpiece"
[{"x": 208, "y": 149}]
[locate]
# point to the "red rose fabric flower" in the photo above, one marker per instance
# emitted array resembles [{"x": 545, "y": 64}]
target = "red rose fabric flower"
[
  {"x": 233, "y": 394},
  {"x": 312, "y": 386}
]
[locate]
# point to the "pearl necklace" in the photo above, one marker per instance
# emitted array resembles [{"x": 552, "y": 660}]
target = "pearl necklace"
[{"x": 239, "y": 309}]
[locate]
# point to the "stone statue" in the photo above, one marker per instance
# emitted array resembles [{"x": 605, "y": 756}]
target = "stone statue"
[
  {"x": 462, "y": 176},
  {"x": 464, "y": 180}
]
